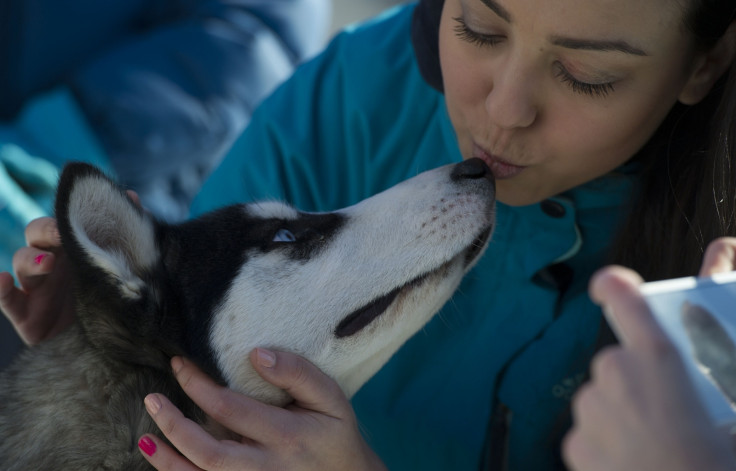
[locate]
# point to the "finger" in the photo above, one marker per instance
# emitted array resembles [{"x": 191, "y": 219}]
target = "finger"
[
  {"x": 190, "y": 438},
  {"x": 31, "y": 266},
  {"x": 43, "y": 233},
  {"x": 616, "y": 289},
  {"x": 308, "y": 385},
  {"x": 12, "y": 300},
  {"x": 134, "y": 197},
  {"x": 577, "y": 453},
  {"x": 720, "y": 256},
  {"x": 241, "y": 414},
  {"x": 6, "y": 285},
  {"x": 162, "y": 456}
]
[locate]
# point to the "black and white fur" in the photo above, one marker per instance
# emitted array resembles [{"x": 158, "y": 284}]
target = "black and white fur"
[{"x": 344, "y": 289}]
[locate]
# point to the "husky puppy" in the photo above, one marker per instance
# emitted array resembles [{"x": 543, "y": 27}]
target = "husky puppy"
[{"x": 344, "y": 289}]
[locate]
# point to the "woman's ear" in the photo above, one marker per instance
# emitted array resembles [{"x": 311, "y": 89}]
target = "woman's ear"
[{"x": 710, "y": 67}]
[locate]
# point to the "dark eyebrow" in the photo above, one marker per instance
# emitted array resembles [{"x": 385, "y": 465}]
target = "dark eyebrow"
[
  {"x": 595, "y": 45},
  {"x": 570, "y": 43},
  {"x": 498, "y": 9}
]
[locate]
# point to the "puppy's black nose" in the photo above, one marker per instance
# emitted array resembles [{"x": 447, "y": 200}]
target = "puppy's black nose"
[{"x": 471, "y": 169}]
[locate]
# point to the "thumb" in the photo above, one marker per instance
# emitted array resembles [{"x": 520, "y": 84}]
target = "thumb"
[
  {"x": 719, "y": 257},
  {"x": 616, "y": 289},
  {"x": 310, "y": 387}
]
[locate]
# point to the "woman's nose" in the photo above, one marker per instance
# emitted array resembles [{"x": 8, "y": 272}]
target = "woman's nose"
[{"x": 511, "y": 102}]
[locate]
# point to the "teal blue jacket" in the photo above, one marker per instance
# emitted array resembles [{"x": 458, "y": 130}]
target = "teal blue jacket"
[{"x": 358, "y": 119}]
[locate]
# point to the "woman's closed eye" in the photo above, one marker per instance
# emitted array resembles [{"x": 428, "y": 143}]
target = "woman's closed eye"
[
  {"x": 464, "y": 32},
  {"x": 596, "y": 90}
]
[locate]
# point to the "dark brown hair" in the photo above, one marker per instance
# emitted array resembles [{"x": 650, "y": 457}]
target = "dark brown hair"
[{"x": 687, "y": 195}]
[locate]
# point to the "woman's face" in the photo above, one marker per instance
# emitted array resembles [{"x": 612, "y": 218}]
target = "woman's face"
[{"x": 552, "y": 94}]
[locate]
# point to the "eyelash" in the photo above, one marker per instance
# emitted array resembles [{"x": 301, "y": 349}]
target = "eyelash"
[
  {"x": 595, "y": 90},
  {"x": 468, "y": 35}
]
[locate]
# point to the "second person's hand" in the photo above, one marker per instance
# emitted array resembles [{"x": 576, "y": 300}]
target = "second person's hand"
[{"x": 43, "y": 304}]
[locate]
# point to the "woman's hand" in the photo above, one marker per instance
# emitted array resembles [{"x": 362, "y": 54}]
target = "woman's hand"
[
  {"x": 43, "y": 305},
  {"x": 318, "y": 431},
  {"x": 640, "y": 410}
]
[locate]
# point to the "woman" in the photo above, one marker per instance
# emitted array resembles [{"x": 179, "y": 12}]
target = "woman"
[{"x": 583, "y": 111}]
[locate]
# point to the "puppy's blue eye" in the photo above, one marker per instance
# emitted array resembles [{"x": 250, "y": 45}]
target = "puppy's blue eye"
[{"x": 284, "y": 235}]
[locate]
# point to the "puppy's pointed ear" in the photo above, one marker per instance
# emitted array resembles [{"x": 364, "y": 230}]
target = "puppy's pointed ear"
[{"x": 104, "y": 232}]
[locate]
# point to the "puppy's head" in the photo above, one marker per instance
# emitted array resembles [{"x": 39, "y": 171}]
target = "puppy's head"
[{"x": 345, "y": 289}]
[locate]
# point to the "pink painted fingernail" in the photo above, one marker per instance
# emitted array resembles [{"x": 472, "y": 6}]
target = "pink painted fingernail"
[
  {"x": 40, "y": 258},
  {"x": 147, "y": 446}
]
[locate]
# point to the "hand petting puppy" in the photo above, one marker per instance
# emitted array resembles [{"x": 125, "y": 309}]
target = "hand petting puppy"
[{"x": 318, "y": 431}]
